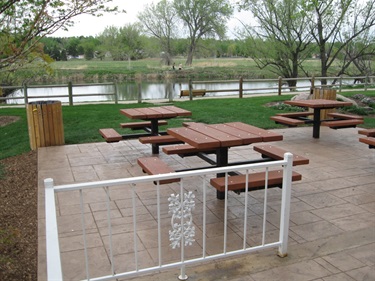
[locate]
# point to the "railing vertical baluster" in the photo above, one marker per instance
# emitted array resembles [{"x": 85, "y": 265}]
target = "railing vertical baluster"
[
  {"x": 204, "y": 215},
  {"x": 109, "y": 229},
  {"x": 246, "y": 203},
  {"x": 225, "y": 213},
  {"x": 367, "y": 80},
  {"x": 84, "y": 233},
  {"x": 265, "y": 208},
  {"x": 135, "y": 227},
  {"x": 159, "y": 223}
]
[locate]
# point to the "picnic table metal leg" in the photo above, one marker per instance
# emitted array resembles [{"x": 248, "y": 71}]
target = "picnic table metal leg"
[
  {"x": 221, "y": 160},
  {"x": 316, "y": 123},
  {"x": 155, "y": 132}
]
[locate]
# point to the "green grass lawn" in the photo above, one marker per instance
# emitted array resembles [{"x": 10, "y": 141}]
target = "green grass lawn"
[{"x": 82, "y": 122}]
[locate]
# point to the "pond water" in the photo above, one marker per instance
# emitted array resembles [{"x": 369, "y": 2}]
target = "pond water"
[{"x": 129, "y": 91}]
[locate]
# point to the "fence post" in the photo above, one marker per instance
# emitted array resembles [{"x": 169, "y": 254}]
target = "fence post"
[
  {"x": 139, "y": 84},
  {"x": 70, "y": 93},
  {"x": 312, "y": 85},
  {"x": 116, "y": 95},
  {"x": 285, "y": 205},
  {"x": 367, "y": 79},
  {"x": 280, "y": 85},
  {"x": 190, "y": 89},
  {"x": 25, "y": 95},
  {"x": 340, "y": 84},
  {"x": 241, "y": 88}
]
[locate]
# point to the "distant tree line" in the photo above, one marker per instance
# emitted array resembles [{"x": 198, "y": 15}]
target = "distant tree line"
[{"x": 281, "y": 35}]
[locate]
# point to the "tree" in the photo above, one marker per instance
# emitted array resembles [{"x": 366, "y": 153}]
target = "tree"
[
  {"x": 338, "y": 21},
  {"x": 203, "y": 18},
  {"x": 24, "y": 22},
  {"x": 160, "y": 21},
  {"x": 281, "y": 40},
  {"x": 124, "y": 43}
]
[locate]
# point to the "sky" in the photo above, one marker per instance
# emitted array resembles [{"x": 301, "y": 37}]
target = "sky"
[{"x": 86, "y": 25}]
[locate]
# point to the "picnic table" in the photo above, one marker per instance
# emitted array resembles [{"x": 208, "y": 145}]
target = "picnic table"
[
  {"x": 218, "y": 138},
  {"x": 154, "y": 115},
  {"x": 317, "y": 105}
]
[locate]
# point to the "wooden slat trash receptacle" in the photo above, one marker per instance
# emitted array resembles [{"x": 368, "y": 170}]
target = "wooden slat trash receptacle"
[
  {"x": 45, "y": 123},
  {"x": 327, "y": 94}
]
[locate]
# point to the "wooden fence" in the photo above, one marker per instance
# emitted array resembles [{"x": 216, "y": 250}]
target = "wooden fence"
[{"x": 365, "y": 82}]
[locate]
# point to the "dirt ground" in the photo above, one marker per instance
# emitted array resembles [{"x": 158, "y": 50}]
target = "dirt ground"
[{"x": 18, "y": 215}]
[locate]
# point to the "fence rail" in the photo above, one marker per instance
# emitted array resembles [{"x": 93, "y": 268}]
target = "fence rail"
[
  {"x": 281, "y": 85},
  {"x": 182, "y": 221}
]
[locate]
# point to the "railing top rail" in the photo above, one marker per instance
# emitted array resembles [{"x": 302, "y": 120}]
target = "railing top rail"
[{"x": 156, "y": 178}]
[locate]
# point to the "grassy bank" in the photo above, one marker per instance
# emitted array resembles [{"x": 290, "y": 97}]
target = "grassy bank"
[
  {"x": 81, "y": 123},
  {"x": 154, "y": 69}
]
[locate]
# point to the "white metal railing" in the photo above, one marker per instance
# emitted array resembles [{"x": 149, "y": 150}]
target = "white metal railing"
[{"x": 181, "y": 207}]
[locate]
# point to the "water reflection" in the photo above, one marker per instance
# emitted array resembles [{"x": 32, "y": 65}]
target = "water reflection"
[{"x": 132, "y": 91}]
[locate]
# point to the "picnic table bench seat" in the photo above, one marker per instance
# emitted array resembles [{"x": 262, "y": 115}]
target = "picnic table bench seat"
[
  {"x": 296, "y": 114},
  {"x": 277, "y": 153},
  {"x": 156, "y": 166},
  {"x": 237, "y": 183},
  {"x": 184, "y": 150},
  {"x": 288, "y": 121},
  {"x": 367, "y": 132},
  {"x": 110, "y": 135},
  {"x": 142, "y": 124},
  {"x": 342, "y": 123},
  {"x": 161, "y": 139},
  {"x": 343, "y": 116},
  {"x": 368, "y": 140}
]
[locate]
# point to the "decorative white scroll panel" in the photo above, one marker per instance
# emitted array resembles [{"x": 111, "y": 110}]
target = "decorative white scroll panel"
[{"x": 182, "y": 219}]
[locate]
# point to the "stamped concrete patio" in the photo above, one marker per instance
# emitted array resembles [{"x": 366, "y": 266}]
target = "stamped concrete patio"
[{"x": 332, "y": 224}]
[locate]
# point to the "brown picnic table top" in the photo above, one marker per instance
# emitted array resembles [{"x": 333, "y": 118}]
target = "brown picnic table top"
[
  {"x": 202, "y": 136},
  {"x": 151, "y": 113},
  {"x": 318, "y": 103}
]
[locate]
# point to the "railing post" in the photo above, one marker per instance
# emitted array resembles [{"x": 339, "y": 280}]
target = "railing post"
[
  {"x": 241, "y": 88},
  {"x": 54, "y": 271},
  {"x": 116, "y": 94},
  {"x": 340, "y": 84},
  {"x": 280, "y": 85},
  {"x": 285, "y": 205},
  {"x": 70, "y": 93},
  {"x": 367, "y": 79},
  {"x": 139, "y": 84},
  {"x": 25, "y": 95},
  {"x": 190, "y": 89}
]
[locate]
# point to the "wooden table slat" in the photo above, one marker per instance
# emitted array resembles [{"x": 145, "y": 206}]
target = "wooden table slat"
[
  {"x": 179, "y": 111},
  {"x": 266, "y": 135},
  {"x": 246, "y": 137},
  {"x": 194, "y": 138},
  {"x": 226, "y": 139}
]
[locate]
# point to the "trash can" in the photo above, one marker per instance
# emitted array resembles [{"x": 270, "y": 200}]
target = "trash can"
[
  {"x": 327, "y": 94},
  {"x": 45, "y": 124}
]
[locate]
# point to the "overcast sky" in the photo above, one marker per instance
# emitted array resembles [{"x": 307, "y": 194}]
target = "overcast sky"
[{"x": 86, "y": 25}]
